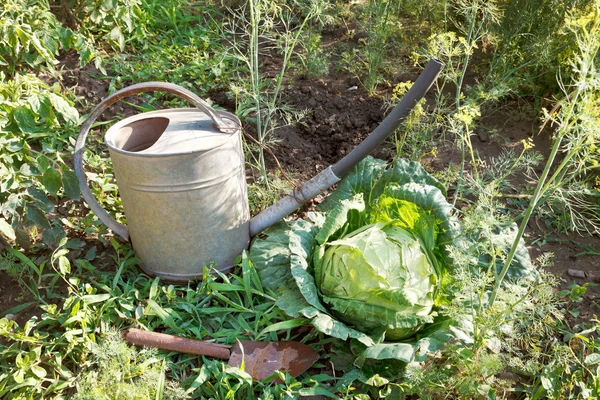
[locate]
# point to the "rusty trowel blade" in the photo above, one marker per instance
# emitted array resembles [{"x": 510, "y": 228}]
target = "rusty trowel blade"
[{"x": 262, "y": 359}]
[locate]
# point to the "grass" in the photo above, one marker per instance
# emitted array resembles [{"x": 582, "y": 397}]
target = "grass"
[{"x": 77, "y": 287}]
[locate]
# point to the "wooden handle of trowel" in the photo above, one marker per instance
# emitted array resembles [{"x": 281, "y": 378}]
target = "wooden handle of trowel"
[{"x": 162, "y": 341}]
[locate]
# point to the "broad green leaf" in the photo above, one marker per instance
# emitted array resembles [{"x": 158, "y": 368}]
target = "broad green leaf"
[
  {"x": 45, "y": 111},
  {"x": 28, "y": 170},
  {"x": 15, "y": 145},
  {"x": 34, "y": 102},
  {"x": 52, "y": 180},
  {"x": 19, "y": 376},
  {"x": 91, "y": 253},
  {"x": 65, "y": 37},
  {"x": 70, "y": 184},
  {"x": 64, "y": 265},
  {"x": 25, "y": 119},
  {"x": 95, "y": 298},
  {"x": 38, "y": 371},
  {"x": 270, "y": 255},
  {"x": 62, "y": 106},
  {"x": 403, "y": 172},
  {"x": 52, "y": 237},
  {"x": 7, "y": 230},
  {"x": 14, "y": 202},
  {"x": 117, "y": 36},
  {"x": 397, "y": 351},
  {"x": 37, "y": 216},
  {"x": 43, "y": 163},
  {"x": 86, "y": 54},
  {"x": 43, "y": 201},
  {"x": 360, "y": 180},
  {"x": 301, "y": 244},
  {"x": 592, "y": 359}
]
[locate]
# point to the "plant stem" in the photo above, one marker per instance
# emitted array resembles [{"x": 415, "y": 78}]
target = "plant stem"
[
  {"x": 540, "y": 189},
  {"x": 255, "y": 78}
]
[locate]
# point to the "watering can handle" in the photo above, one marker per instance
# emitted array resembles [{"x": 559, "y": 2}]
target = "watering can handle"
[{"x": 89, "y": 198}]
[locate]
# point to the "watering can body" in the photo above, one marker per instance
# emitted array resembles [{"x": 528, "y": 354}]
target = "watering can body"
[
  {"x": 181, "y": 178},
  {"x": 183, "y": 188}
]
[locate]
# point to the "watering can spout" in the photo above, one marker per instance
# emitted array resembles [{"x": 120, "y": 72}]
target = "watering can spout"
[{"x": 333, "y": 174}]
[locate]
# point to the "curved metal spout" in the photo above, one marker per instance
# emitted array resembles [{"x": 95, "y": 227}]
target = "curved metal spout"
[{"x": 334, "y": 173}]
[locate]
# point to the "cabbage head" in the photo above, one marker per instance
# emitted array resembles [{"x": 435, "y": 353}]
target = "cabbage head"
[
  {"x": 378, "y": 277},
  {"x": 370, "y": 264}
]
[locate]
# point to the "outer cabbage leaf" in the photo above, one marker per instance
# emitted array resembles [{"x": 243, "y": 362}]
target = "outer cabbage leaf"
[
  {"x": 278, "y": 251},
  {"x": 360, "y": 180},
  {"x": 370, "y": 178},
  {"x": 402, "y": 172},
  {"x": 521, "y": 266}
]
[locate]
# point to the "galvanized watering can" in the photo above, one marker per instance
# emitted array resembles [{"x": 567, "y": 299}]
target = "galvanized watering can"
[{"x": 180, "y": 174}]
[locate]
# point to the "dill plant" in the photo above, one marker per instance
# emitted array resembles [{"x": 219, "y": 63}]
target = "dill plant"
[
  {"x": 382, "y": 23},
  {"x": 122, "y": 372},
  {"x": 576, "y": 122},
  {"x": 258, "y": 29},
  {"x": 472, "y": 20}
]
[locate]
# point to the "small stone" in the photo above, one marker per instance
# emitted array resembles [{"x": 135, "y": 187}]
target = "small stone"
[
  {"x": 576, "y": 273},
  {"x": 10, "y": 317},
  {"x": 352, "y": 89}
]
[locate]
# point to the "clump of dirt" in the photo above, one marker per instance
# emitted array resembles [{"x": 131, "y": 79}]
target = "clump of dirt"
[{"x": 338, "y": 120}]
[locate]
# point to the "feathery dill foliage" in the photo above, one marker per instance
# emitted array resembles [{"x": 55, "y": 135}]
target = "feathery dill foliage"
[
  {"x": 524, "y": 315},
  {"x": 122, "y": 372}
]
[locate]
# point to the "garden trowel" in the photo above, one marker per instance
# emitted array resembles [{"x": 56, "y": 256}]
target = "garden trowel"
[{"x": 260, "y": 359}]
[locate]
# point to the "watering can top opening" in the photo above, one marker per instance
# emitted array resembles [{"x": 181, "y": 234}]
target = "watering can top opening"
[{"x": 170, "y": 132}]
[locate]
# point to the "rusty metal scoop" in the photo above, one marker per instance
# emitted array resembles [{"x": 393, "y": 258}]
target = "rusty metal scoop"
[{"x": 261, "y": 359}]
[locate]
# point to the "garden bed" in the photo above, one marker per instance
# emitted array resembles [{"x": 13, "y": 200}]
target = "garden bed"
[{"x": 69, "y": 285}]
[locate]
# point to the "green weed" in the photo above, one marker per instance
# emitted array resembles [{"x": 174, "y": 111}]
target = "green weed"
[
  {"x": 32, "y": 169},
  {"x": 31, "y": 37}
]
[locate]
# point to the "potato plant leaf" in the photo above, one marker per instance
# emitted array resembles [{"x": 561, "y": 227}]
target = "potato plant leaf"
[
  {"x": 37, "y": 216},
  {"x": 64, "y": 265},
  {"x": 7, "y": 230},
  {"x": 25, "y": 119},
  {"x": 70, "y": 184},
  {"x": 62, "y": 107},
  {"x": 52, "y": 180},
  {"x": 43, "y": 202}
]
